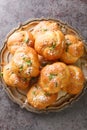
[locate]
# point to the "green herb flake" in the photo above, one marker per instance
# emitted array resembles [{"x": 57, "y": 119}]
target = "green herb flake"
[
  {"x": 29, "y": 63},
  {"x": 47, "y": 94},
  {"x": 24, "y": 58},
  {"x": 67, "y": 45},
  {"x": 7, "y": 68},
  {"x": 21, "y": 68},
  {"x": 1, "y": 74},
  {"x": 26, "y": 40},
  {"x": 51, "y": 76},
  {"x": 52, "y": 47},
  {"x": 45, "y": 29},
  {"x": 33, "y": 92}
]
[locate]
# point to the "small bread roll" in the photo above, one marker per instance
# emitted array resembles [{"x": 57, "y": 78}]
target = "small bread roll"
[
  {"x": 44, "y": 26},
  {"x": 18, "y": 39},
  {"x": 54, "y": 77},
  {"x": 25, "y": 62},
  {"x": 40, "y": 99},
  {"x": 50, "y": 45},
  {"x": 76, "y": 80},
  {"x": 74, "y": 49},
  {"x": 12, "y": 79}
]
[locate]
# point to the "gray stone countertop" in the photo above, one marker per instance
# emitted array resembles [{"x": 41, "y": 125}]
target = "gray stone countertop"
[{"x": 13, "y": 12}]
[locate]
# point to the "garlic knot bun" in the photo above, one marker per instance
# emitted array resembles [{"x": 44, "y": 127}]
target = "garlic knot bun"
[
  {"x": 25, "y": 62},
  {"x": 50, "y": 45},
  {"x": 44, "y": 26},
  {"x": 12, "y": 79},
  {"x": 74, "y": 49},
  {"x": 18, "y": 39},
  {"x": 76, "y": 80},
  {"x": 54, "y": 77},
  {"x": 40, "y": 99}
]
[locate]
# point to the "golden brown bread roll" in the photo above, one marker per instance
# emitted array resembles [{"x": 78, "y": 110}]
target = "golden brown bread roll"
[
  {"x": 25, "y": 62},
  {"x": 74, "y": 49},
  {"x": 40, "y": 99},
  {"x": 18, "y": 39},
  {"x": 50, "y": 45},
  {"x": 44, "y": 26},
  {"x": 76, "y": 80},
  {"x": 54, "y": 77},
  {"x": 12, "y": 79}
]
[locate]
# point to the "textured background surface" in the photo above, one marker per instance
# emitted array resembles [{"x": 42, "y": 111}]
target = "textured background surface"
[{"x": 13, "y": 12}]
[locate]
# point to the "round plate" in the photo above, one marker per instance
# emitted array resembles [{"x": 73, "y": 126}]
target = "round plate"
[{"x": 19, "y": 96}]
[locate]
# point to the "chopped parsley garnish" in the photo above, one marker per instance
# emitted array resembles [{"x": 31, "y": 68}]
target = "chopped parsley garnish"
[
  {"x": 7, "y": 68},
  {"x": 51, "y": 76},
  {"x": 1, "y": 74},
  {"x": 53, "y": 46},
  {"x": 29, "y": 63},
  {"x": 45, "y": 29},
  {"x": 26, "y": 40},
  {"x": 33, "y": 92},
  {"x": 47, "y": 94},
  {"x": 21, "y": 68},
  {"x": 24, "y": 58},
  {"x": 67, "y": 45}
]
